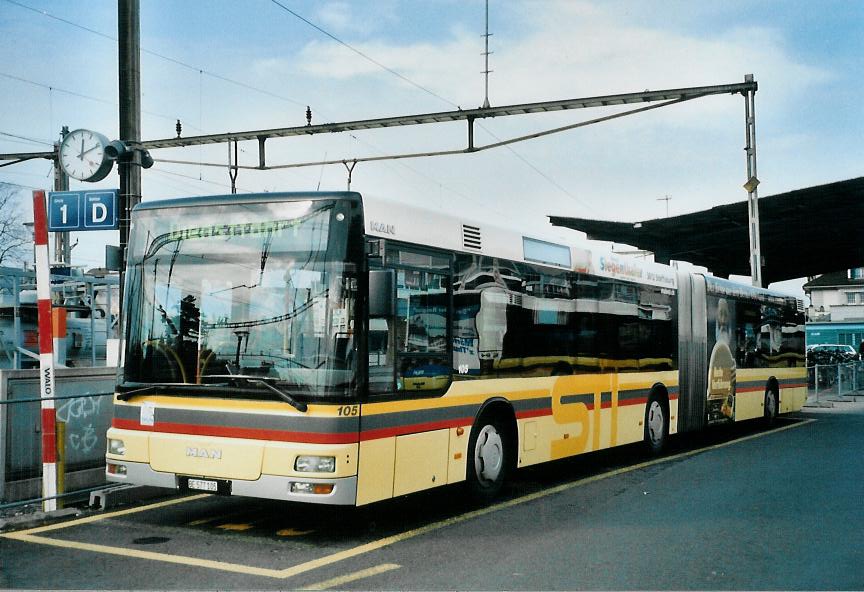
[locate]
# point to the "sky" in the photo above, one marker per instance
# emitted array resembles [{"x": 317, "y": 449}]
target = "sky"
[{"x": 222, "y": 66}]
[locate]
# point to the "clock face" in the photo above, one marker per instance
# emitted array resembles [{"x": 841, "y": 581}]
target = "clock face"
[{"x": 82, "y": 155}]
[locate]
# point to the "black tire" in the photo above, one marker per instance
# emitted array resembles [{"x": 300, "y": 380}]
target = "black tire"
[
  {"x": 771, "y": 407},
  {"x": 656, "y": 425},
  {"x": 488, "y": 458}
]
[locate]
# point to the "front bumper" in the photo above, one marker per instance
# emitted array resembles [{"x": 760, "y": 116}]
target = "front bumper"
[{"x": 266, "y": 486}]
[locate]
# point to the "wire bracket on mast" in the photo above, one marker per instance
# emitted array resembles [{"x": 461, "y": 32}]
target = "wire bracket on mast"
[
  {"x": 350, "y": 170},
  {"x": 232, "y": 167},
  {"x": 262, "y": 163}
]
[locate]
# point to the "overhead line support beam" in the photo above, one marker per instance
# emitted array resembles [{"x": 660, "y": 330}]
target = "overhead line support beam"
[
  {"x": 17, "y": 157},
  {"x": 458, "y": 115}
]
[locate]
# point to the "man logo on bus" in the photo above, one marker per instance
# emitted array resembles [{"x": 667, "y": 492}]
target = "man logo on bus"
[
  {"x": 214, "y": 453},
  {"x": 383, "y": 228}
]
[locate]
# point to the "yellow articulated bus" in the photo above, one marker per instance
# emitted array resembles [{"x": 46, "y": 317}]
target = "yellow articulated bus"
[{"x": 337, "y": 349}]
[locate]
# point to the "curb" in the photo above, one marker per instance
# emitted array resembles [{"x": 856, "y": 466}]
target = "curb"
[
  {"x": 36, "y": 519},
  {"x": 111, "y": 497}
]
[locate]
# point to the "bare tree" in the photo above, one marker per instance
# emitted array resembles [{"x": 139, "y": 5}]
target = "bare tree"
[{"x": 14, "y": 237}]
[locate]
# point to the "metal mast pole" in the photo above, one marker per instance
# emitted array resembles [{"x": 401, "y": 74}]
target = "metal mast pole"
[
  {"x": 129, "y": 59},
  {"x": 486, "y": 54},
  {"x": 62, "y": 249},
  {"x": 751, "y": 184}
]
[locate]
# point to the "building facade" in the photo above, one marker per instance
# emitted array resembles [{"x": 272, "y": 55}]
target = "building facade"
[{"x": 836, "y": 312}]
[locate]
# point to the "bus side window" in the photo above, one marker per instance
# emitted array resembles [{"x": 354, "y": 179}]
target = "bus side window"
[
  {"x": 422, "y": 302},
  {"x": 380, "y": 356}
]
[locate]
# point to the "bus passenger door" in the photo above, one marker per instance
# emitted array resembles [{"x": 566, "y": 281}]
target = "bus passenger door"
[{"x": 410, "y": 358}]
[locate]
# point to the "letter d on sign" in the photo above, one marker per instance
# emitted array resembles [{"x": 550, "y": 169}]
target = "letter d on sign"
[{"x": 99, "y": 213}]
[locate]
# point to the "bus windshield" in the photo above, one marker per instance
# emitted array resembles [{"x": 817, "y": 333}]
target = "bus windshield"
[{"x": 258, "y": 291}]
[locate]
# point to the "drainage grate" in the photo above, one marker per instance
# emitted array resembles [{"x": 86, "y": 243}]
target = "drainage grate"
[{"x": 155, "y": 540}]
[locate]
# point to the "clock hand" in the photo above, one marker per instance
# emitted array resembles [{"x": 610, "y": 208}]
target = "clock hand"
[
  {"x": 81, "y": 155},
  {"x": 90, "y": 150}
]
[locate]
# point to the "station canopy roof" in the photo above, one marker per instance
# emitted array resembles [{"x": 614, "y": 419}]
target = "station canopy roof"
[{"x": 803, "y": 233}]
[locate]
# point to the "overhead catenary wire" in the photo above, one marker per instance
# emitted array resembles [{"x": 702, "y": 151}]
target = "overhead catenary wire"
[
  {"x": 25, "y": 138},
  {"x": 52, "y": 88},
  {"x": 162, "y": 56},
  {"x": 362, "y": 54},
  {"x": 434, "y": 94},
  {"x": 201, "y": 72},
  {"x": 290, "y": 100}
]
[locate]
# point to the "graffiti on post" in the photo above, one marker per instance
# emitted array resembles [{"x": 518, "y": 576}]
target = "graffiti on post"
[{"x": 78, "y": 415}]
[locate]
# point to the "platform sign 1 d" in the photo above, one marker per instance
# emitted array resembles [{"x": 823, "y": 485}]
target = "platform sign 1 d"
[{"x": 73, "y": 211}]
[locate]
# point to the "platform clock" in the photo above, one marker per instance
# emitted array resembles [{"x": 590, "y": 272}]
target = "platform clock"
[{"x": 82, "y": 155}]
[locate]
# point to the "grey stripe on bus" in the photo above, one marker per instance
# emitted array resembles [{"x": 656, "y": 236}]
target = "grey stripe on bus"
[
  {"x": 315, "y": 425},
  {"x": 521, "y": 405},
  {"x": 406, "y": 418},
  {"x": 571, "y": 399}
]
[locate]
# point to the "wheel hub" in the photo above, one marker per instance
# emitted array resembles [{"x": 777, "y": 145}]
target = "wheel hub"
[
  {"x": 489, "y": 454},
  {"x": 655, "y": 422}
]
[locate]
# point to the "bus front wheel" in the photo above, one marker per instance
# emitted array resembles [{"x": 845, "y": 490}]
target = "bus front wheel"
[{"x": 488, "y": 458}]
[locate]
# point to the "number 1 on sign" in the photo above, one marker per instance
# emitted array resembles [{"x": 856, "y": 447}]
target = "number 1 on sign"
[{"x": 63, "y": 210}]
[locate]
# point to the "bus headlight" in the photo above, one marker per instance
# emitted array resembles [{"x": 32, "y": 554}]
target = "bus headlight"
[
  {"x": 315, "y": 464},
  {"x": 116, "y": 446}
]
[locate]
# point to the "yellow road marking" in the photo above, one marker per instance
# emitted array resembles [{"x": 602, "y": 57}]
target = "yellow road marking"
[
  {"x": 235, "y": 527},
  {"x": 98, "y": 517},
  {"x": 27, "y": 535},
  {"x": 292, "y": 532},
  {"x": 139, "y": 554},
  {"x": 352, "y": 577}
]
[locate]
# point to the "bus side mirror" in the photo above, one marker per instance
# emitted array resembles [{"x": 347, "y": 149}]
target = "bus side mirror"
[{"x": 381, "y": 292}]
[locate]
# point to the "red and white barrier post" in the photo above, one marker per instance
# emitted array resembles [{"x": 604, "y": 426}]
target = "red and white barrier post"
[{"x": 46, "y": 354}]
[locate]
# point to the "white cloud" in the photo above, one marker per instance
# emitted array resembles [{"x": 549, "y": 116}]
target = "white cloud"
[
  {"x": 340, "y": 17},
  {"x": 572, "y": 50}
]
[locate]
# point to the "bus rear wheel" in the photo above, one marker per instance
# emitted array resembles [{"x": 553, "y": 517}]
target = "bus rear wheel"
[
  {"x": 770, "y": 413},
  {"x": 488, "y": 458},
  {"x": 656, "y": 425}
]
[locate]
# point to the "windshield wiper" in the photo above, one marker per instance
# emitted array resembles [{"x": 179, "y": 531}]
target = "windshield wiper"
[
  {"x": 125, "y": 396},
  {"x": 152, "y": 388},
  {"x": 298, "y": 405}
]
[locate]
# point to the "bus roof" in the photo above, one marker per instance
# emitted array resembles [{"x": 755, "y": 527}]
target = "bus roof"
[
  {"x": 390, "y": 219},
  {"x": 408, "y": 223}
]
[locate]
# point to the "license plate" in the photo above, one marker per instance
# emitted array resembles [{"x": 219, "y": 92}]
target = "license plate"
[{"x": 202, "y": 485}]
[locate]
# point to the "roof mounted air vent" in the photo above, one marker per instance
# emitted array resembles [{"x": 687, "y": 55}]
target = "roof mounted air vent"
[{"x": 471, "y": 237}]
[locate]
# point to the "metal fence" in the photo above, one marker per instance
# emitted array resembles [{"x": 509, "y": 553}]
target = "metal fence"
[
  {"x": 836, "y": 379},
  {"x": 91, "y": 304},
  {"x": 83, "y": 413}
]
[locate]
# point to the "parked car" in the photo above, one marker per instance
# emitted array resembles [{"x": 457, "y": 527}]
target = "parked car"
[{"x": 830, "y": 354}]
